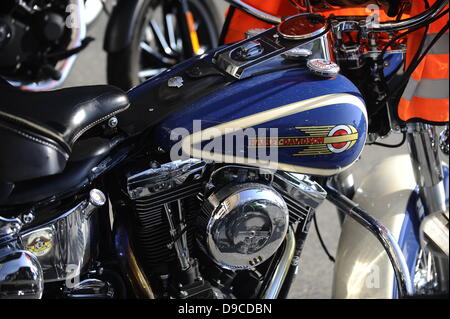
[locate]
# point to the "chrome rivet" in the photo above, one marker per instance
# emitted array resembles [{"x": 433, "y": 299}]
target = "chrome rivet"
[{"x": 112, "y": 122}]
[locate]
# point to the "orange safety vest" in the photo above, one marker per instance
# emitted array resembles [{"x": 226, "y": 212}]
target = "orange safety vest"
[{"x": 426, "y": 94}]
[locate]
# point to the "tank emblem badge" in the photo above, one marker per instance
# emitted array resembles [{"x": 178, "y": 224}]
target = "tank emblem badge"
[
  {"x": 318, "y": 140},
  {"x": 175, "y": 82},
  {"x": 39, "y": 243}
]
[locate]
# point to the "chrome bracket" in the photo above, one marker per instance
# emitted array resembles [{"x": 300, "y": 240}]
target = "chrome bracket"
[{"x": 164, "y": 178}]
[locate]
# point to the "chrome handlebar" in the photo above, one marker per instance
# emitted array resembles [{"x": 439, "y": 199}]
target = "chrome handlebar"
[
  {"x": 412, "y": 22},
  {"x": 258, "y": 14}
]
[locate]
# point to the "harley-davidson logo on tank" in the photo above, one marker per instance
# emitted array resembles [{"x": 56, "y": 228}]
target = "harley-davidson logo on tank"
[{"x": 318, "y": 140}]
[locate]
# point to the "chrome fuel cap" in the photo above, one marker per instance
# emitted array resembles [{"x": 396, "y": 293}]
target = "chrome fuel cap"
[{"x": 323, "y": 68}]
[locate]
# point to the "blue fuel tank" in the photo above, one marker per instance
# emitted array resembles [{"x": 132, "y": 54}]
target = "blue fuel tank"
[{"x": 287, "y": 119}]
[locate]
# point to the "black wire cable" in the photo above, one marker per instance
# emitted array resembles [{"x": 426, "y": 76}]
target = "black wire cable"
[
  {"x": 391, "y": 145},
  {"x": 322, "y": 243},
  {"x": 384, "y": 50}
]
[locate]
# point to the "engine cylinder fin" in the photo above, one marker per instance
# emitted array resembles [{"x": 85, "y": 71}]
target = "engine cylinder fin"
[{"x": 152, "y": 232}]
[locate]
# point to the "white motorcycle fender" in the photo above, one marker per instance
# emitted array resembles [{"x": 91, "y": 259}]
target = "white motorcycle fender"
[{"x": 362, "y": 268}]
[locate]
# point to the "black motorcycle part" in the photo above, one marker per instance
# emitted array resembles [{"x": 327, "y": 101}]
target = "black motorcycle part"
[
  {"x": 53, "y": 26},
  {"x": 5, "y": 33},
  {"x": 16, "y": 42},
  {"x": 30, "y": 33}
]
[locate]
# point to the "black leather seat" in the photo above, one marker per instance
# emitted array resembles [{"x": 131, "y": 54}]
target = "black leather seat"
[{"x": 39, "y": 129}]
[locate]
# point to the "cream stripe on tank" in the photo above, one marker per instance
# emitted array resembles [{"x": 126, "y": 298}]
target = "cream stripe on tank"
[{"x": 263, "y": 117}]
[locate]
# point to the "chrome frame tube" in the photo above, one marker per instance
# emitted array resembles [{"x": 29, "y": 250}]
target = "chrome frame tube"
[
  {"x": 179, "y": 244},
  {"x": 258, "y": 14},
  {"x": 424, "y": 151},
  {"x": 282, "y": 269},
  {"x": 384, "y": 236}
]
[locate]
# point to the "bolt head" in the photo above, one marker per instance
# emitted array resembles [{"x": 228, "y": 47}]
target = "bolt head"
[
  {"x": 112, "y": 122},
  {"x": 97, "y": 198},
  {"x": 28, "y": 218}
]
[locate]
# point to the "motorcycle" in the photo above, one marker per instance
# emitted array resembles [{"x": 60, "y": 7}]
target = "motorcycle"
[
  {"x": 40, "y": 40},
  {"x": 202, "y": 182}
]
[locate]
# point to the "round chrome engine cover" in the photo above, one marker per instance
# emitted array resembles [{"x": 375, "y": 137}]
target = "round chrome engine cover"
[{"x": 247, "y": 224}]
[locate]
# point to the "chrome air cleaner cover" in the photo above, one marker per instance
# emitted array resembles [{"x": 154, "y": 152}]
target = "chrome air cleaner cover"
[{"x": 246, "y": 224}]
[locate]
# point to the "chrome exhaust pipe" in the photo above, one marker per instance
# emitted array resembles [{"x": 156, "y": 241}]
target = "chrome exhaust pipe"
[{"x": 282, "y": 269}]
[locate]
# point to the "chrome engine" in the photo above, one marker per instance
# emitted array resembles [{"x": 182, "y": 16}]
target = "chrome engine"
[{"x": 233, "y": 218}]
